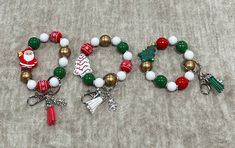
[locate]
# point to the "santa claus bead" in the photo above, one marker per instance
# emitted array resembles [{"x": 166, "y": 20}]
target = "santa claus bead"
[
  {"x": 171, "y": 86},
  {"x": 98, "y": 82},
  {"x": 55, "y": 36},
  {"x": 116, "y": 40},
  {"x": 95, "y": 41},
  {"x": 182, "y": 83},
  {"x": 189, "y": 75},
  {"x": 44, "y": 37},
  {"x": 31, "y": 84},
  {"x": 121, "y": 75},
  {"x": 64, "y": 42},
  {"x": 42, "y": 86},
  {"x": 54, "y": 82},
  {"x": 150, "y": 75},
  {"x": 87, "y": 49},
  {"x": 126, "y": 66},
  {"x": 172, "y": 40},
  {"x": 63, "y": 61},
  {"x": 188, "y": 55},
  {"x": 127, "y": 55}
]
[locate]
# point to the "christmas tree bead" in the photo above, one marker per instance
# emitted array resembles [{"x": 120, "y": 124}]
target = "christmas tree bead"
[
  {"x": 105, "y": 40},
  {"x": 171, "y": 86},
  {"x": 116, "y": 40},
  {"x": 87, "y": 49},
  {"x": 59, "y": 72},
  {"x": 88, "y": 79},
  {"x": 160, "y": 81},
  {"x": 65, "y": 52},
  {"x": 148, "y": 54},
  {"x": 126, "y": 66},
  {"x": 189, "y": 75},
  {"x": 44, "y": 37},
  {"x": 63, "y": 62},
  {"x": 25, "y": 76},
  {"x": 54, "y": 82},
  {"x": 122, "y": 47},
  {"x": 181, "y": 46},
  {"x": 95, "y": 41},
  {"x": 162, "y": 43},
  {"x": 172, "y": 40},
  {"x": 150, "y": 75},
  {"x": 127, "y": 55},
  {"x": 42, "y": 86},
  {"x": 98, "y": 82},
  {"x": 31, "y": 84},
  {"x": 182, "y": 83},
  {"x": 64, "y": 42},
  {"x": 34, "y": 43},
  {"x": 55, "y": 36},
  {"x": 121, "y": 75},
  {"x": 110, "y": 79},
  {"x": 188, "y": 55},
  {"x": 146, "y": 66}
]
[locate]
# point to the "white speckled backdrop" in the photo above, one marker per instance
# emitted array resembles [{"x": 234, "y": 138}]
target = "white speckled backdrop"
[{"x": 147, "y": 117}]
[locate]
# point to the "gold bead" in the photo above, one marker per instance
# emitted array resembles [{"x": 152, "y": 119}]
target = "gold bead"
[
  {"x": 110, "y": 79},
  {"x": 189, "y": 65},
  {"x": 25, "y": 76},
  {"x": 65, "y": 51},
  {"x": 105, "y": 40},
  {"x": 146, "y": 66}
]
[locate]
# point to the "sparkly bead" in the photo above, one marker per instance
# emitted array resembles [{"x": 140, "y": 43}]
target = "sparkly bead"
[
  {"x": 160, "y": 81},
  {"x": 54, "y": 82},
  {"x": 122, "y": 47},
  {"x": 127, "y": 55},
  {"x": 162, "y": 43},
  {"x": 34, "y": 43},
  {"x": 87, "y": 49},
  {"x": 64, "y": 42},
  {"x": 188, "y": 55},
  {"x": 189, "y": 65},
  {"x": 110, "y": 79},
  {"x": 44, "y": 37},
  {"x": 171, "y": 86},
  {"x": 105, "y": 40},
  {"x": 95, "y": 41},
  {"x": 150, "y": 75},
  {"x": 65, "y": 51},
  {"x": 116, "y": 40},
  {"x": 25, "y": 76},
  {"x": 98, "y": 82},
  {"x": 31, "y": 84},
  {"x": 172, "y": 40},
  {"x": 189, "y": 75},
  {"x": 42, "y": 86},
  {"x": 126, "y": 66},
  {"x": 182, "y": 83},
  {"x": 146, "y": 66},
  {"x": 55, "y": 36},
  {"x": 121, "y": 75},
  {"x": 88, "y": 79},
  {"x": 63, "y": 62},
  {"x": 181, "y": 46},
  {"x": 59, "y": 72}
]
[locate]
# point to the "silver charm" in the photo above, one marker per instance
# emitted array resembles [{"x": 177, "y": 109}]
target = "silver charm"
[{"x": 82, "y": 66}]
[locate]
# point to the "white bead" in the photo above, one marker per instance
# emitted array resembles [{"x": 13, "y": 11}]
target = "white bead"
[
  {"x": 31, "y": 84},
  {"x": 116, "y": 40},
  {"x": 64, "y": 42},
  {"x": 150, "y": 75},
  {"x": 189, "y": 75},
  {"x": 171, "y": 86},
  {"x": 44, "y": 37},
  {"x": 172, "y": 40},
  {"x": 54, "y": 82},
  {"x": 95, "y": 41},
  {"x": 121, "y": 75},
  {"x": 63, "y": 61},
  {"x": 98, "y": 82},
  {"x": 188, "y": 55},
  {"x": 127, "y": 55}
]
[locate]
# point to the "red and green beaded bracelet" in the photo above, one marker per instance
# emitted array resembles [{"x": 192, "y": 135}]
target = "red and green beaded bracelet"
[
  {"x": 207, "y": 81},
  {"x": 105, "y": 84},
  {"x": 44, "y": 89}
]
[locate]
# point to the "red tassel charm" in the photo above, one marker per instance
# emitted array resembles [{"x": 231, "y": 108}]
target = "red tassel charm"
[{"x": 51, "y": 115}]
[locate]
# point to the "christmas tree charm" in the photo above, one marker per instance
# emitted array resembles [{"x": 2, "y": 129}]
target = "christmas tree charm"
[
  {"x": 148, "y": 54},
  {"x": 82, "y": 66}
]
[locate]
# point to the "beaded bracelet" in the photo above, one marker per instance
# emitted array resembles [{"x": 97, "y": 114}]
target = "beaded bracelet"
[
  {"x": 44, "y": 89},
  {"x": 207, "y": 81},
  {"x": 107, "y": 83}
]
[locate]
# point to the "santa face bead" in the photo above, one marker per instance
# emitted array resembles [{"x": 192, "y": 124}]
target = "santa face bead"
[
  {"x": 98, "y": 82},
  {"x": 172, "y": 40},
  {"x": 189, "y": 75},
  {"x": 121, "y": 75},
  {"x": 127, "y": 55},
  {"x": 188, "y": 55},
  {"x": 55, "y": 36},
  {"x": 182, "y": 83},
  {"x": 54, "y": 82},
  {"x": 65, "y": 51},
  {"x": 59, "y": 72},
  {"x": 42, "y": 86},
  {"x": 63, "y": 62},
  {"x": 150, "y": 75},
  {"x": 126, "y": 66},
  {"x": 122, "y": 47},
  {"x": 34, "y": 43},
  {"x": 95, "y": 41},
  {"x": 181, "y": 46},
  {"x": 31, "y": 84},
  {"x": 171, "y": 86},
  {"x": 64, "y": 42},
  {"x": 44, "y": 37},
  {"x": 87, "y": 49},
  {"x": 116, "y": 40},
  {"x": 162, "y": 43}
]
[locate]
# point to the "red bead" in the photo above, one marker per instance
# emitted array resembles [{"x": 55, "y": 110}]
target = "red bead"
[
  {"x": 162, "y": 43},
  {"x": 42, "y": 86},
  {"x": 55, "y": 36},
  {"x": 182, "y": 83},
  {"x": 51, "y": 115},
  {"x": 126, "y": 66},
  {"x": 87, "y": 49}
]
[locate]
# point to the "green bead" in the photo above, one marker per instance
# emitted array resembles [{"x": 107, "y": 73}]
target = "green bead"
[
  {"x": 122, "y": 47},
  {"x": 160, "y": 81},
  {"x": 34, "y": 43},
  {"x": 59, "y": 72},
  {"x": 181, "y": 46},
  {"x": 88, "y": 79}
]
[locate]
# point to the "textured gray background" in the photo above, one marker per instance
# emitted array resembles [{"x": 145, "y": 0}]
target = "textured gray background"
[{"x": 147, "y": 116}]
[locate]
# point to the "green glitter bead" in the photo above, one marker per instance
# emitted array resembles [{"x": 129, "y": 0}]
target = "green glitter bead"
[
  {"x": 181, "y": 46},
  {"x": 122, "y": 47},
  {"x": 34, "y": 43},
  {"x": 59, "y": 72},
  {"x": 88, "y": 79},
  {"x": 160, "y": 81}
]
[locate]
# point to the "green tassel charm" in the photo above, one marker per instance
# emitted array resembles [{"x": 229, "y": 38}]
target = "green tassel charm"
[{"x": 216, "y": 84}]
